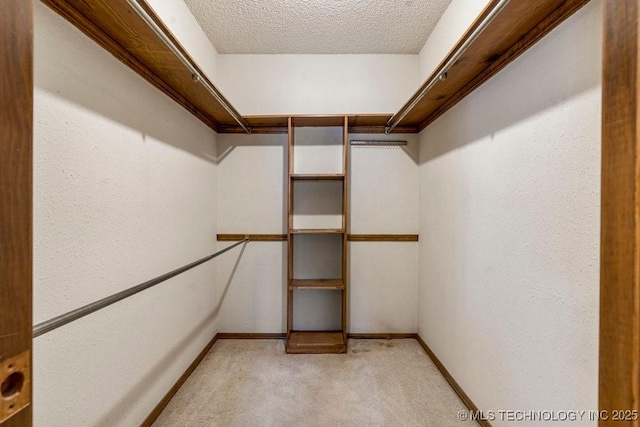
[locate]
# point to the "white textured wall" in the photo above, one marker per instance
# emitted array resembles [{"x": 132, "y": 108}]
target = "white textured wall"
[
  {"x": 384, "y": 200},
  {"x": 509, "y": 228},
  {"x": 124, "y": 191},
  {"x": 317, "y": 84},
  {"x": 252, "y": 199}
]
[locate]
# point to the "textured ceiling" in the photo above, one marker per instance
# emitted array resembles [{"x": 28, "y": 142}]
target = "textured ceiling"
[{"x": 317, "y": 26}]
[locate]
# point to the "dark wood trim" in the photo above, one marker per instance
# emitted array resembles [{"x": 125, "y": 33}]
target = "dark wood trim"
[
  {"x": 350, "y": 237},
  {"x": 619, "y": 378},
  {"x": 16, "y": 206},
  {"x": 252, "y": 336},
  {"x": 383, "y": 237},
  {"x": 452, "y": 382},
  {"x": 345, "y": 226},
  {"x": 381, "y": 336},
  {"x": 290, "y": 239},
  {"x": 252, "y": 237},
  {"x": 174, "y": 389}
]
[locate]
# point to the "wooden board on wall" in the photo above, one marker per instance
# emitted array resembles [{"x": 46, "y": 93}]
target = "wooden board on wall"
[
  {"x": 350, "y": 237},
  {"x": 16, "y": 153},
  {"x": 115, "y": 26},
  {"x": 358, "y": 124},
  {"x": 619, "y": 379},
  {"x": 514, "y": 30}
]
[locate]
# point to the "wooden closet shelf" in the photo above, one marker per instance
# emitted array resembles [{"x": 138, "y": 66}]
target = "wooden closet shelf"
[
  {"x": 317, "y": 121},
  {"x": 252, "y": 237},
  {"x": 514, "y": 29},
  {"x": 118, "y": 29},
  {"x": 115, "y": 26},
  {"x": 358, "y": 124},
  {"x": 318, "y": 231},
  {"x": 317, "y": 342},
  {"x": 320, "y": 284},
  {"x": 318, "y": 177},
  {"x": 350, "y": 237},
  {"x": 307, "y": 342}
]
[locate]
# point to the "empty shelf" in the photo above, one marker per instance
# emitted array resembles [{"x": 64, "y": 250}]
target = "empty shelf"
[
  {"x": 326, "y": 284},
  {"x": 318, "y": 177},
  {"x": 318, "y": 231},
  {"x": 316, "y": 342}
]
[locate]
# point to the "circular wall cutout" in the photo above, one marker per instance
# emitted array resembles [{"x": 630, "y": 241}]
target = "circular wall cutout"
[{"x": 12, "y": 385}]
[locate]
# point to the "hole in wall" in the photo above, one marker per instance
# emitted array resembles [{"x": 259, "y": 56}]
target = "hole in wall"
[{"x": 12, "y": 385}]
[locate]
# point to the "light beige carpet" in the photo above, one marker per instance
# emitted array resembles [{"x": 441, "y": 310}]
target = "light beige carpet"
[{"x": 254, "y": 383}]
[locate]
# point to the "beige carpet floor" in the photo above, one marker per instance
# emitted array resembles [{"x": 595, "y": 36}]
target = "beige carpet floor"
[{"x": 254, "y": 383}]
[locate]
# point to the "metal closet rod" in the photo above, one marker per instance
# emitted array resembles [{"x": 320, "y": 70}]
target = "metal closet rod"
[
  {"x": 196, "y": 74},
  {"x": 378, "y": 142},
  {"x": 63, "y": 319},
  {"x": 441, "y": 74}
]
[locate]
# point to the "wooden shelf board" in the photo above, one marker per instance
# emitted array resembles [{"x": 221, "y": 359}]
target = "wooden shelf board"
[
  {"x": 115, "y": 26},
  {"x": 319, "y": 284},
  {"x": 268, "y": 121},
  {"x": 313, "y": 121},
  {"x": 516, "y": 28},
  {"x": 368, "y": 120},
  {"x": 318, "y": 177},
  {"x": 276, "y": 124},
  {"x": 375, "y": 124},
  {"x": 317, "y": 231},
  {"x": 118, "y": 29},
  {"x": 350, "y": 237},
  {"x": 252, "y": 237},
  {"x": 358, "y": 124},
  {"x": 306, "y": 342},
  {"x": 382, "y": 237}
]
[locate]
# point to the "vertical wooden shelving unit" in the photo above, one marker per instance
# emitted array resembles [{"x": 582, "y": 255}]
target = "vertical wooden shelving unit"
[{"x": 310, "y": 340}]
